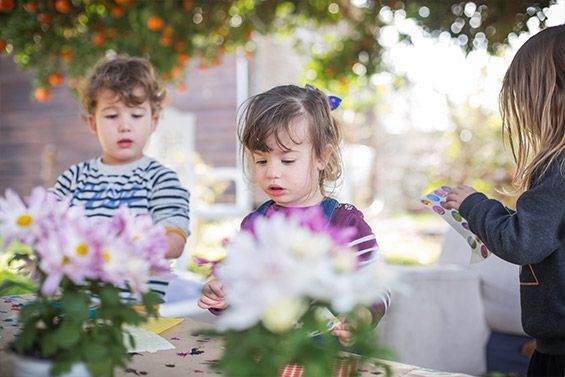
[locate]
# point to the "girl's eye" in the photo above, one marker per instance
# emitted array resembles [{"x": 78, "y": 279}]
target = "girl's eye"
[
  {"x": 137, "y": 116},
  {"x": 288, "y": 161},
  {"x": 261, "y": 162},
  {"x": 110, "y": 116}
]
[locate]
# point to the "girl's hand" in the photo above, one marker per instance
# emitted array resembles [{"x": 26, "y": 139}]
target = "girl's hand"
[
  {"x": 342, "y": 332},
  {"x": 212, "y": 296},
  {"x": 457, "y": 195}
]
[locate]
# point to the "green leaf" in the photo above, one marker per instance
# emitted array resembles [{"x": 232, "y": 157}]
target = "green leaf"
[
  {"x": 75, "y": 305},
  {"x": 110, "y": 296},
  {"x": 68, "y": 333}
]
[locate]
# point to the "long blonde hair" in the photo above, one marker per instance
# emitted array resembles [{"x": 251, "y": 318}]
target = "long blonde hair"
[{"x": 532, "y": 104}]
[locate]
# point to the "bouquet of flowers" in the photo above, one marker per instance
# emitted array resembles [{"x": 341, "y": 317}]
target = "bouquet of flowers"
[
  {"x": 287, "y": 281},
  {"x": 80, "y": 265}
]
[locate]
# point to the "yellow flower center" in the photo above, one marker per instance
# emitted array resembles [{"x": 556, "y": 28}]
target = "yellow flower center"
[
  {"x": 82, "y": 249},
  {"x": 136, "y": 237},
  {"x": 66, "y": 260},
  {"x": 106, "y": 256},
  {"x": 24, "y": 220}
]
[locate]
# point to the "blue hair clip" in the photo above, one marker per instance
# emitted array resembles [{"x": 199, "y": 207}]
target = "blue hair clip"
[{"x": 333, "y": 101}]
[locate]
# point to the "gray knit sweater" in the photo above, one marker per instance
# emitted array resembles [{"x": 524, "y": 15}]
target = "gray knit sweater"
[{"x": 533, "y": 237}]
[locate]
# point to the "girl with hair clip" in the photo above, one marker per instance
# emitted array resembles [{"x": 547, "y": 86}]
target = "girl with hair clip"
[
  {"x": 532, "y": 103},
  {"x": 290, "y": 144}
]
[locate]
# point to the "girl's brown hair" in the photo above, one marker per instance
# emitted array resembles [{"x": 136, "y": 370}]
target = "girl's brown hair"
[
  {"x": 122, "y": 75},
  {"x": 532, "y": 104},
  {"x": 274, "y": 112}
]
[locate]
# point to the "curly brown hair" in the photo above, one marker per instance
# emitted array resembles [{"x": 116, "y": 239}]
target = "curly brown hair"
[
  {"x": 274, "y": 112},
  {"x": 532, "y": 104},
  {"x": 122, "y": 75}
]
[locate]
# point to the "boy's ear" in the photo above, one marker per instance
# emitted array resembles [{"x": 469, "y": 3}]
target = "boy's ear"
[
  {"x": 154, "y": 122},
  {"x": 91, "y": 121}
]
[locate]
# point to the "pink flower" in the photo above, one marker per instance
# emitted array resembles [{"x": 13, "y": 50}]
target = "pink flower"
[
  {"x": 21, "y": 221},
  {"x": 124, "y": 250}
]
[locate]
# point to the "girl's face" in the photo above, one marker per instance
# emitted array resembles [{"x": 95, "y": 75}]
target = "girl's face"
[
  {"x": 290, "y": 178},
  {"x": 122, "y": 131}
]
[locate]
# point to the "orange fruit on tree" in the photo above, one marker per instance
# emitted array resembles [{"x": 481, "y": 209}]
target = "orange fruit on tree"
[
  {"x": 187, "y": 4},
  {"x": 67, "y": 54},
  {"x": 155, "y": 23},
  {"x": 180, "y": 46},
  {"x": 182, "y": 58},
  {"x": 176, "y": 71},
  {"x": 166, "y": 41},
  {"x": 98, "y": 38},
  {"x": 122, "y": 2},
  {"x": 44, "y": 18},
  {"x": 42, "y": 94},
  {"x": 117, "y": 11},
  {"x": 180, "y": 87},
  {"x": 6, "y": 5},
  {"x": 55, "y": 79},
  {"x": 31, "y": 6},
  {"x": 62, "y": 6},
  {"x": 3, "y": 45}
]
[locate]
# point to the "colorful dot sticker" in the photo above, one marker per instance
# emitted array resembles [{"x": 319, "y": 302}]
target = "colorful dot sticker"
[
  {"x": 440, "y": 192},
  {"x": 484, "y": 251},
  {"x": 438, "y": 210},
  {"x": 433, "y": 197},
  {"x": 435, "y": 200}
]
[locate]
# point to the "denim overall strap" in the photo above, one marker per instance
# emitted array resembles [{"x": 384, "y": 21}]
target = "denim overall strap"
[
  {"x": 262, "y": 210},
  {"x": 328, "y": 207}
]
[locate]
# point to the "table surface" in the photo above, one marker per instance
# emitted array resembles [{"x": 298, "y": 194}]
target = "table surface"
[{"x": 194, "y": 355}]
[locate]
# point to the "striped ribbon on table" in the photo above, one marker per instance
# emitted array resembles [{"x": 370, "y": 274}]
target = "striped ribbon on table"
[{"x": 343, "y": 368}]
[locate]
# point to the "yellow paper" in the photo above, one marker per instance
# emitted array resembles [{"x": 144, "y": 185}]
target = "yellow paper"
[{"x": 160, "y": 324}]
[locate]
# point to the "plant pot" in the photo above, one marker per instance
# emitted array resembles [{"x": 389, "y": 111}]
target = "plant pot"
[{"x": 23, "y": 366}]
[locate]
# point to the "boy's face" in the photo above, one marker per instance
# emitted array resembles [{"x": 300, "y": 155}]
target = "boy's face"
[
  {"x": 122, "y": 131},
  {"x": 290, "y": 177}
]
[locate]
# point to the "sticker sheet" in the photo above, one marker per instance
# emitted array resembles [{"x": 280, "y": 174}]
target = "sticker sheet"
[{"x": 435, "y": 200}]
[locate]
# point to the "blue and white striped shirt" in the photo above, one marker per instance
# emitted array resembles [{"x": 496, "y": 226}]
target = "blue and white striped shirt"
[{"x": 145, "y": 186}]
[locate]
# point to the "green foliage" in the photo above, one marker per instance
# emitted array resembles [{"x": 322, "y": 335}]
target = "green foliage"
[
  {"x": 259, "y": 352},
  {"x": 54, "y": 39},
  {"x": 14, "y": 284},
  {"x": 70, "y": 329},
  {"x": 475, "y": 154}
]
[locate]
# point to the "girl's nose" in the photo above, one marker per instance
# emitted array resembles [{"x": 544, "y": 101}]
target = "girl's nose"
[{"x": 273, "y": 170}]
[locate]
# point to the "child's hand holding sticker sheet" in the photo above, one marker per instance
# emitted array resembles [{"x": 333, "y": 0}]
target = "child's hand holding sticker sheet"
[{"x": 435, "y": 200}]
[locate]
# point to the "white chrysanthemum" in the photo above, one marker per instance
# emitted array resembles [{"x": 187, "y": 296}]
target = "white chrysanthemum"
[
  {"x": 283, "y": 263},
  {"x": 283, "y": 314},
  {"x": 306, "y": 245}
]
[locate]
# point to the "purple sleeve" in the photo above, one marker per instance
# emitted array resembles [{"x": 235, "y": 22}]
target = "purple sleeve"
[
  {"x": 246, "y": 223},
  {"x": 366, "y": 246},
  {"x": 363, "y": 240}
]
